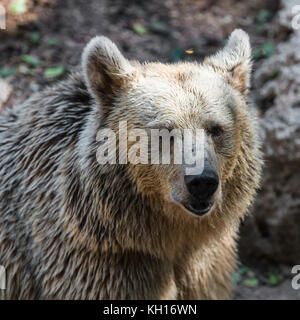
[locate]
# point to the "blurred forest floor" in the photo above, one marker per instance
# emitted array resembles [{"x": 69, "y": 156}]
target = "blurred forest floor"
[{"x": 44, "y": 41}]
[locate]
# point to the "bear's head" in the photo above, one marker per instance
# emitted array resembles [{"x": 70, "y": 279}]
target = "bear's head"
[{"x": 208, "y": 99}]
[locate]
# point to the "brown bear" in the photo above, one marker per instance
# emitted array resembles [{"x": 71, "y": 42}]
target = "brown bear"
[{"x": 71, "y": 228}]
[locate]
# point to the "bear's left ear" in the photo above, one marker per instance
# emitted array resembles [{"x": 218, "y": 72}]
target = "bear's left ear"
[
  {"x": 235, "y": 59},
  {"x": 104, "y": 67}
]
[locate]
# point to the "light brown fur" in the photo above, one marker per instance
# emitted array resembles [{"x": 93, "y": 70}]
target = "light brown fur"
[{"x": 73, "y": 229}]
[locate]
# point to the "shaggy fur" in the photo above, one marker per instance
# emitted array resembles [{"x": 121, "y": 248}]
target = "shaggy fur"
[{"x": 73, "y": 229}]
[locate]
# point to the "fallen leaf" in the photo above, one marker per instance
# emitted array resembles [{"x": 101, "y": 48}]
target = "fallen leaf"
[
  {"x": 274, "y": 74},
  {"x": 236, "y": 277},
  {"x": 273, "y": 277},
  {"x": 139, "y": 29},
  {"x": 6, "y": 72},
  {"x": 52, "y": 41},
  {"x": 54, "y": 72},
  {"x": 34, "y": 37},
  {"x": 268, "y": 48},
  {"x": 263, "y": 16},
  {"x": 251, "y": 282},
  {"x": 265, "y": 51},
  {"x": 157, "y": 26},
  {"x": 31, "y": 60},
  {"x": 177, "y": 54}
]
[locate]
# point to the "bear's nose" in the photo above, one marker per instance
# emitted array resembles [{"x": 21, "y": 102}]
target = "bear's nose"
[{"x": 202, "y": 186}]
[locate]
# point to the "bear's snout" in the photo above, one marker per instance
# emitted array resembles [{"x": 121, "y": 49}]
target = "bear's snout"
[{"x": 202, "y": 187}]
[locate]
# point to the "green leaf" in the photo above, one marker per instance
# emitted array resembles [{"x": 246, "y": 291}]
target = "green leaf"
[
  {"x": 236, "y": 277},
  {"x": 158, "y": 26},
  {"x": 52, "y": 41},
  {"x": 256, "y": 53},
  {"x": 31, "y": 72},
  {"x": 54, "y": 72},
  {"x": 263, "y": 16},
  {"x": 177, "y": 54},
  {"x": 18, "y": 6},
  {"x": 273, "y": 278},
  {"x": 265, "y": 51},
  {"x": 274, "y": 74},
  {"x": 268, "y": 49},
  {"x": 34, "y": 37},
  {"x": 251, "y": 282},
  {"x": 250, "y": 273},
  {"x": 139, "y": 29},
  {"x": 31, "y": 60},
  {"x": 6, "y": 72},
  {"x": 260, "y": 27},
  {"x": 243, "y": 270}
]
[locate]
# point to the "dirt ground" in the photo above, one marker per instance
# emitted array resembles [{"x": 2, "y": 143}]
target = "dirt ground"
[
  {"x": 45, "y": 43},
  {"x": 282, "y": 291}
]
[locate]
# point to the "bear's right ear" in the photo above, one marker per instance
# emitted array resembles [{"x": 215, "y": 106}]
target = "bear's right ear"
[{"x": 105, "y": 69}]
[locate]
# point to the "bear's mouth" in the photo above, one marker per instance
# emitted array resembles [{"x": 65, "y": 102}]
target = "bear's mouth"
[{"x": 200, "y": 207}]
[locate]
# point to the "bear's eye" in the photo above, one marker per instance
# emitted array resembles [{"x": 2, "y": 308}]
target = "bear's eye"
[{"x": 216, "y": 131}]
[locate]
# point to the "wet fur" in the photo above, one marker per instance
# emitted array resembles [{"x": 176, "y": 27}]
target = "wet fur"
[{"x": 72, "y": 229}]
